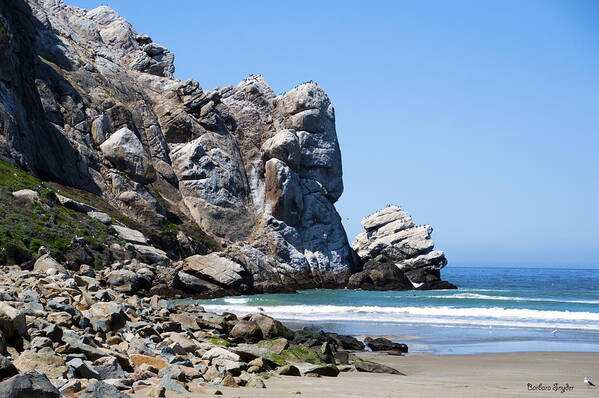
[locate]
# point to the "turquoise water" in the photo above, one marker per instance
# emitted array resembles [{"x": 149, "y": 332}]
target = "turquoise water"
[{"x": 494, "y": 310}]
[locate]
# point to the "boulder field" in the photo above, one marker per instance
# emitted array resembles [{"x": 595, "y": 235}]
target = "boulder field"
[{"x": 64, "y": 334}]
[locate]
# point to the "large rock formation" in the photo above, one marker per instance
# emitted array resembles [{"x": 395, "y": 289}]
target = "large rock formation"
[
  {"x": 397, "y": 254},
  {"x": 87, "y": 101}
]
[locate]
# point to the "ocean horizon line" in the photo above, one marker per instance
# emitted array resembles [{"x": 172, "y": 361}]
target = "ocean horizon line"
[{"x": 572, "y": 268}]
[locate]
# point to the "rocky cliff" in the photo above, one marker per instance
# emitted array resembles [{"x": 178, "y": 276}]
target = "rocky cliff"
[{"x": 88, "y": 102}]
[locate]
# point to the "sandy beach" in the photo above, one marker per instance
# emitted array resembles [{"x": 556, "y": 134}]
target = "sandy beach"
[{"x": 486, "y": 375}]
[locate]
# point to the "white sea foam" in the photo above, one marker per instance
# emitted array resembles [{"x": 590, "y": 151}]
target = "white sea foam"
[
  {"x": 236, "y": 300},
  {"x": 442, "y": 315},
  {"x": 506, "y": 298}
]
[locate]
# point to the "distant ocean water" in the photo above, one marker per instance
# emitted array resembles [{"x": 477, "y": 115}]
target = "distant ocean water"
[{"x": 495, "y": 309}]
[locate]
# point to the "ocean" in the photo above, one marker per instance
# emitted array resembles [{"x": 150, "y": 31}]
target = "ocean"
[{"x": 496, "y": 309}]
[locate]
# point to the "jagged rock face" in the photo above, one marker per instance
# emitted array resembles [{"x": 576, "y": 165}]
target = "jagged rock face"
[
  {"x": 87, "y": 101},
  {"x": 393, "y": 245}
]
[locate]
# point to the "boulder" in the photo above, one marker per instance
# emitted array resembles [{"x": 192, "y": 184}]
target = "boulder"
[
  {"x": 12, "y": 321},
  {"x": 270, "y": 327},
  {"x": 155, "y": 391},
  {"x": 7, "y": 369},
  {"x": 249, "y": 352},
  {"x": 82, "y": 370},
  {"x": 184, "y": 341},
  {"x": 173, "y": 385},
  {"x": 26, "y": 196},
  {"x": 186, "y": 320},
  {"x": 100, "y": 389},
  {"x": 75, "y": 345},
  {"x": 100, "y": 216},
  {"x": 325, "y": 370},
  {"x": 246, "y": 331},
  {"x": 138, "y": 360},
  {"x": 70, "y": 388},
  {"x": 52, "y": 366},
  {"x": 149, "y": 254},
  {"x": 348, "y": 342},
  {"x": 52, "y": 331},
  {"x": 383, "y": 344},
  {"x": 106, "y": 316},
  {"x": 215, "y": 268},
  {"x": 288, "y": 370},
  {"x": 46, "y": 262},
  {"x": 232, "y": 367},
  {"x": 201, "y": 388},
  {"x": 255, "y": 382},
  {"x": 130, "y": 235},
  {"x": 125, "y": 151},
  {"x": 261, "y": 364},
  {"x": 61, "y": 318},
  {"x": 126, "y": 281},
  {"x": 194, "y": 285},
  {"x": 37, "y": 343},
  {"x": 219, "y": 352},
  {"x": 371, "y": 367},
  {"x": 108, "y": 368},
  {"x": 73, "y": 204},
  {"x": 28, "y": 385}
]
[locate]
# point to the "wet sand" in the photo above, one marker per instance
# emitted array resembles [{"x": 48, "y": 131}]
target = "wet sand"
[{"x": 480, "y": 376}]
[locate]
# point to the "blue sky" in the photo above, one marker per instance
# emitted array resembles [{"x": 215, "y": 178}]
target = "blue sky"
[{"x": 480, "y": 118}]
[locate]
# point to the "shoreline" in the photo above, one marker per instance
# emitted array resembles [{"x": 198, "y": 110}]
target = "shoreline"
[{"x": 476, "y": 375}]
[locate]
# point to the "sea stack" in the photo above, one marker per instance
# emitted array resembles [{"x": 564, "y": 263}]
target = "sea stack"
[{"x": 396, "y": 254}]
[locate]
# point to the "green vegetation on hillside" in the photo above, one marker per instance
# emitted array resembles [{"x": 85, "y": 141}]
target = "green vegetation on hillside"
[{"x": 26, "y": 227}]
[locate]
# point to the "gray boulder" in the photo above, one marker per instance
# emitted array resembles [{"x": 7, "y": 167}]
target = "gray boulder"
[
  {"x": 46, "y": 263},
  {"x": 371, "y": 367},
  {"x": 245, "y": 330},
  {"x": 130, "y": 235},
  {"x": 270, "y": 327},
  {"x": 383, "y": 344},
  {"x": 106, "y": 317},
  {"x": 28, "y": 385},
  {"x": 7, "y": 369},
  {"x": 215, "y": 268},
  {"x": 124, "y": 150},
  {"x": 100, "y": 389},
  {"x": 12, "y": 321},
  {"x": 324, "y": 370},
  {"x": 82, "y": 370}
]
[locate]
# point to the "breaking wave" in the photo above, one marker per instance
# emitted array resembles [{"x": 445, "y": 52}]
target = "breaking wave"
[{"x": 442, "y": 315}]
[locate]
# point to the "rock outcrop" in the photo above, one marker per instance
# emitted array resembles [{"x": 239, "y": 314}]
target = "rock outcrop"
[
  {"x": 397, "y": 255},
  {"x": 87, "y": 101}
]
